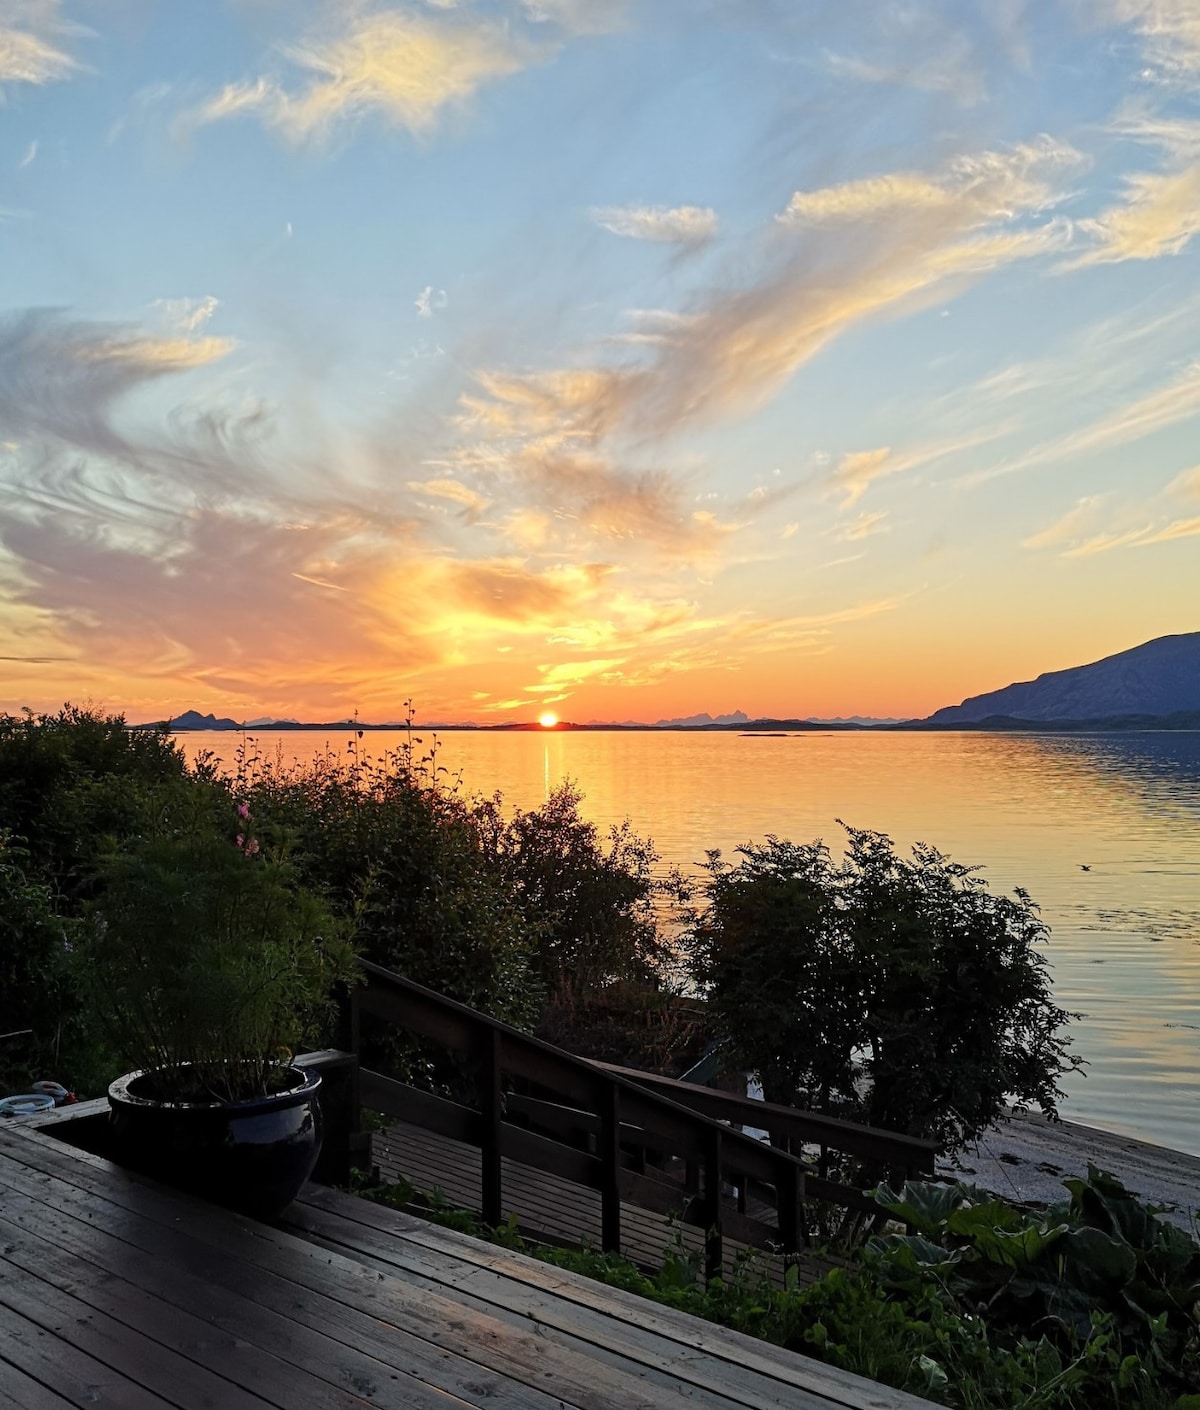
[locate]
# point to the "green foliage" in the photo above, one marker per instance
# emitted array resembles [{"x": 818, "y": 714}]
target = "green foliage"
[
  {"x": 206, "y": 962},
  {"x": 73, "y": 786},
  {"x": 76, "y": 784},
  {"x": 588, "y": 904},
  {"x": 1100, "y": 1263},
  {"x": 902, "y": 994},
  {"x": 32, "y": 970},
  {"x": 498, "y": 911},
  {"x": 400, "y": 856}
]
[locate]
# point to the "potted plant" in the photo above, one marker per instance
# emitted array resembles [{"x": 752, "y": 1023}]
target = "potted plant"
[{"x": 209, "y": 966}]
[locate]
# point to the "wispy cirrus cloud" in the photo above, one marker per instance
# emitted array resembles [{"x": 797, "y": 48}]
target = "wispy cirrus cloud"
[
  {"x": 928, "y": 48},
  {"x": 856, "y": 471},
  {"x": 115, "y": 523},
  {"x": 578, "y": 16},
  {"x": 675, "y": 225},
  {"x": 33, "y": 35},
  {"x": 401, "y": 65},
  {"x": 469, "y": 501},
  {"x": 581, "y": 437},
  {"x": 1168, "y": 32},
  {"x": 1097, "y": 524},
  {"x": 1175, "y": 401},
  {"x": 61, "y": 380},
  {"x": 865, "y": 526},
  {"x": 1160, "y": 212}
]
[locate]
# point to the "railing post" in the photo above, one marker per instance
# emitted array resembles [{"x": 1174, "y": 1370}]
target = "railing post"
[
  {"x": 610, "y": 1169},
  {"x": 714, "y": 1253},
  {"x": 793, "y": 1226},
  {"x": 491, "y": 1108}
]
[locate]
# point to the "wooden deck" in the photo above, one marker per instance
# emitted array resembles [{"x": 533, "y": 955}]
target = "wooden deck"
[
  {"x": 116, "y": 1292},
  {"x": 553, "y": 1210}
]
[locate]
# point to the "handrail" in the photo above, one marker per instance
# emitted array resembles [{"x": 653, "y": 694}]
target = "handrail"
[
  {"x": 620, "y": 1105},
  {"x": 910, "y": 1153}
]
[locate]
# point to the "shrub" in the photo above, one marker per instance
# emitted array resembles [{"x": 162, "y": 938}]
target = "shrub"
[
  {"x": 902, "y": 994},
  {"x": 588, "y": 904},
  {"x": 76, "y": 784},
  {"x": 206, "y": 962}
]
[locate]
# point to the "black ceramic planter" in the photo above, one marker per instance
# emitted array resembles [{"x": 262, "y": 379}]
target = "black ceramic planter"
[{"x": 253, "y": 1155}]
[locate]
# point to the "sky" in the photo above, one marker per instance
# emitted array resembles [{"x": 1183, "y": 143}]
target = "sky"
[{"x": 623, "y": 359}]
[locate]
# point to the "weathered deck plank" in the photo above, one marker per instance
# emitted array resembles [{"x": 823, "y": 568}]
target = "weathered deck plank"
[{"x": 116, "y": 1291}]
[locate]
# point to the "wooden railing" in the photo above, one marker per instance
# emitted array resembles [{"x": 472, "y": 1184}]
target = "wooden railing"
[
  {"x": 894, "y": 1155},
  {"x": 574, "y": 1119},
  {"x": 633, "y": 1137}
]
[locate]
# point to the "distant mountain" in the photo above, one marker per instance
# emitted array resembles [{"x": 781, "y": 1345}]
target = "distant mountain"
[
  {"x": 738, "y": 717},
  {"x": 193, "y": 719},
  {"x": 1161, "y": 677}
]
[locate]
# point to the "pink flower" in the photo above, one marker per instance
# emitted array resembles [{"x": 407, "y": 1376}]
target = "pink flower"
[
  {"x": 243, "y": 810},
  {"x": 240, "y": 840},
  {"x": 252, "y": 847}
]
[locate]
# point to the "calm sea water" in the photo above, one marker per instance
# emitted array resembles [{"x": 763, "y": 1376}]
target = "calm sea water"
[{"x": 1102, "y": 830}]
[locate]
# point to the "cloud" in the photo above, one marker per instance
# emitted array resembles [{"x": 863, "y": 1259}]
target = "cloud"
[
  {"x": 578, "y": 16},
  {"x": 1178, "y": 400},
  {"x": 62, "y": 380},
  {"x": 915, "y": 46},
  {"x": 975, "y": 190},
  {"x": 403, "y": 66},
  {"x": 742, "y": 345},
  {"x": 680, "y": 225},
  {"x": 30, "y": 156},
  {"x": 731, "y": 351},
  {"x": 865, "y": 526},
  {"x": 187, "y": 315},
  {"x": 1160, "y": 213},
  {"x": 1094, "y": 525},
  {"x": 31, "y": 35},
  {"x": 1186, "y": 483},
  {"x": 1067, "y": 529},
  {"x": 428, "y": 300},
  {"x": 573, "y": 458},
  {"x": 1169, "y": 31},
  {"x": 113, "y": 527},
  {"x": 856, "y": 471},
  {"x": 473, "y": 503}
]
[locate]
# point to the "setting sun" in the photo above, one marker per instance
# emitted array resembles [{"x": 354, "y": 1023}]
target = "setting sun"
[{"x": 548, "y": 720}]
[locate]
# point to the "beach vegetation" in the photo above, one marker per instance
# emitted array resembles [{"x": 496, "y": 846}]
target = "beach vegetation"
[{"x": 900, "y": 993}]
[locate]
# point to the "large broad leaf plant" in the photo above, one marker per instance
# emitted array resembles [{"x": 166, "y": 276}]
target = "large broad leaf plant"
[{"x": 1100, "y": 1263}]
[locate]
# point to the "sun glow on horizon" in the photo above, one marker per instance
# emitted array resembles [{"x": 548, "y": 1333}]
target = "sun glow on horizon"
[{"x": 548, "y": 720}]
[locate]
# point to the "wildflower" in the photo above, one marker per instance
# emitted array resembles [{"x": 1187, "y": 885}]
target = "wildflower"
[
  {"x": 243, "y": 812},
  {"x": 240, "y": 840},
  {"x": 251, "y": 848}
]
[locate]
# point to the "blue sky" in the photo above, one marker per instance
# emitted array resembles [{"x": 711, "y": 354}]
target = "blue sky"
[{"x": 619, "y": 359}]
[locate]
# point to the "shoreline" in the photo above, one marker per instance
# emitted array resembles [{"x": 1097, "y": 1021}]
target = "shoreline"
[{"x": 1026, "y": 1157}]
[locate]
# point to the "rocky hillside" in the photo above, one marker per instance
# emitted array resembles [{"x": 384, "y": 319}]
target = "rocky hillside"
[{"x": 1160, "y": 677}]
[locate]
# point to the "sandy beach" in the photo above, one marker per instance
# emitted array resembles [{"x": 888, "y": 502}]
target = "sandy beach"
[{"x": 1026, "y": 1158}]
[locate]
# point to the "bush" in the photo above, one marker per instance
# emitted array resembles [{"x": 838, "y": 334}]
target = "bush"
[
  {"x": 901, "y": 994},
  {"x": 76, "y": 784},
  {"x": 588, "y": 905},
  {"x": 205, "y": 961},
  {"x": 33, "y": 978},
  {"x": 403, "y": 859}
]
